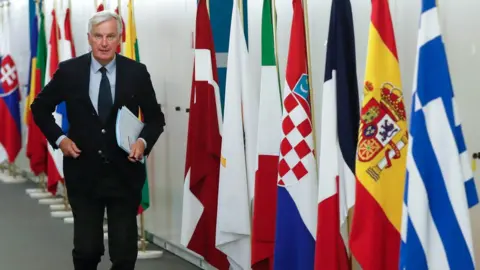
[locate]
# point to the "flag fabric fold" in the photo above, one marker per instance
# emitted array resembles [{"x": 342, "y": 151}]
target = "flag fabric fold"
[
  {"x": 296, "y": 214},
  {"x": 10, "y": 124},
  {"x": 436, "y": 230},
  {"x": 55, "y": 156},
  {"x": 36, "y": 148},
  {"x": 33, "y": 12},
  {"x": 202, "y": 165},
  {"x": 268, "y": 149},
  {"x": 132, "y": 52},
  {"x": 65, "y": 49},
  {"x": 338, "y": 144},
  {"x": 382, "y": 146},
  {"x": 233, "y": 233}
]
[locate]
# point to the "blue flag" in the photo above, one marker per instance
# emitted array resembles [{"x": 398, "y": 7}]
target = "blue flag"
[{"x": 440, "y": 189}]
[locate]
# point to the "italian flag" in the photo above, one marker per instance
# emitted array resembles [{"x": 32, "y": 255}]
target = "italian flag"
[
  {"x": 131, "y": 51},
  {"x": 268, "y": 149}
]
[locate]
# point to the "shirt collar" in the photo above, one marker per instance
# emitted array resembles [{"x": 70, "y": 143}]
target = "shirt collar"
[{"x": 110, "y": 66}]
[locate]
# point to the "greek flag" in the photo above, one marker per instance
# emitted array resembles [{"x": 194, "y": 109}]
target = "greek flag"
[{"x": 439, "y": 189}]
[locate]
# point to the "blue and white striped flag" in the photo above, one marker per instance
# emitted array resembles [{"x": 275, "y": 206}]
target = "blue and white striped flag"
[{"x": 440, "y": 189}]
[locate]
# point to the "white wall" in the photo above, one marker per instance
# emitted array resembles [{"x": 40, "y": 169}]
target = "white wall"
[{"x": 165, "y": 34}]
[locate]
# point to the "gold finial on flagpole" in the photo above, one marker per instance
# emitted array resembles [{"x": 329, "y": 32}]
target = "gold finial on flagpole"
[{"x": 240, "y": 10}]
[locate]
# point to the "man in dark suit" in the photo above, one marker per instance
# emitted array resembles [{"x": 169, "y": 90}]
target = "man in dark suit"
[{"x": 99, "y": 174}]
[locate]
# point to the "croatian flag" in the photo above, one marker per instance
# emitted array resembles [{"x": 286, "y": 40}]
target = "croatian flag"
[
  {"x": 10, "y": 126},
  {"x": 440, "y": 189},
  {"x": 296, "y": 217}
]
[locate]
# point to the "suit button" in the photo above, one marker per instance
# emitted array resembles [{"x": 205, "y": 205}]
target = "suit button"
[
  {"x": 104, "y": 131},
  {"x": 99, "y": 152}
]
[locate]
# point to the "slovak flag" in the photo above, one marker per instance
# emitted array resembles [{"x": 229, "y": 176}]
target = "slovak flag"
[
  {"x": 10, "y": 135},
  {"x": 10, "y": 127},
  {"x": 296, "y": 218}
]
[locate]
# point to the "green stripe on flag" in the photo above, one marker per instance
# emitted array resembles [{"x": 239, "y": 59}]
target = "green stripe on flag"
[{"x": 268, "y": 41}]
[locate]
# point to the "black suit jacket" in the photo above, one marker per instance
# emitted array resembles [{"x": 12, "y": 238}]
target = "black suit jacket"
[{"x": 96, "y": 140}]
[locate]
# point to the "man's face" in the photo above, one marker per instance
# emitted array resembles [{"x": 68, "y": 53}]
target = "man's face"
[{"x": 104, "y": 39}]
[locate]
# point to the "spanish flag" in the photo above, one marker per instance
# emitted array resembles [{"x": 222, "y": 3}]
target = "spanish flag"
[{"x": 381, "y": 154}]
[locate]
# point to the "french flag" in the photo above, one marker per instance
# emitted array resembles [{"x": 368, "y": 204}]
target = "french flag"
[
  {"x": 10, "y": 127},
  {"x": 296, "y": 217},
  {"x": 338, "y": 144}
]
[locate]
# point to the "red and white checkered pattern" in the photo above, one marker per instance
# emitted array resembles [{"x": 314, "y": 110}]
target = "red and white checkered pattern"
[{"x": 297, "y": 157}]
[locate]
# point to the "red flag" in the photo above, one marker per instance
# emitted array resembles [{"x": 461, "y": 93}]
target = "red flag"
[
  {"x": 68, "y": 32},
  {"x": 203, "y": 150},
  {"x": 52, "y": 64},
  {"x": 119, "y": 48}
]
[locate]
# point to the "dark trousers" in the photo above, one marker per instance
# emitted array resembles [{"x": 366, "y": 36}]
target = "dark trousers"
[{"x": 88, "y": 210}]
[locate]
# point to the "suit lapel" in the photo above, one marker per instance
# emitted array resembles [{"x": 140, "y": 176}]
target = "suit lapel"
[
  {"x": 119, "y": 82},
  {"x": 85, "y": 82}
]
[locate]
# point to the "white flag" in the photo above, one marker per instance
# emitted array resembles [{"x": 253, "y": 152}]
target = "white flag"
[{"x": 238, "y": 152}]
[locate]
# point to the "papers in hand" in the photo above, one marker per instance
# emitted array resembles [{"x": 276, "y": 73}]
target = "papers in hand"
[{"x": 128, "y": 128}]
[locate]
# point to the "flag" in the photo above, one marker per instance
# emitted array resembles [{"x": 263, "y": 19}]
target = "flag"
[
  {"x": 268, "y": 149},
  {"x": 339, "y": 134},
  {"x": 34, "y": 32},
  {"x": 101, "y": 6},
  {"x": 131, "y": 42},
  {"x": 36, "y": 149},
  {"x": 132, "y": 52},
  {"x": 296, "y": 216},
  {"x": 202, "y": 164},
  {"x": 10, "y": 123},
  {"x": 440, "y": 188},
  {"x": 64, "y": 49},
  {"x": 381, "y": 162},
  {"x": 55, "y": 161},
  {"x": 119, "y": 48},
  {"x": 236, "y": 170}
]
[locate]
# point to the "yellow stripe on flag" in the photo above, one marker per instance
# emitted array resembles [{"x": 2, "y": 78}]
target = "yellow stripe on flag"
[
  {"x": 383, "y": 130},
  {"x": 130, "y": 33},
  {"x": 31, "y": 95}
]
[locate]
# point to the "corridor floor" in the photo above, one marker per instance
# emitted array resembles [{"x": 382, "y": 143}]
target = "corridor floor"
[{"x": 32, "y": 240}]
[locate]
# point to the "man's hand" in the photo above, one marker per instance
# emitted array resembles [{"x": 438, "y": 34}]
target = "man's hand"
[
  {"x": 69, "y": 148},
  {"x": 136, "y": 151}
]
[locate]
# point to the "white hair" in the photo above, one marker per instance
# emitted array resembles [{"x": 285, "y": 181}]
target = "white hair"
[{"x": 103, "y": 16}]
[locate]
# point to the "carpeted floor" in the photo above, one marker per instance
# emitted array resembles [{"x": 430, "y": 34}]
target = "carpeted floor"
[{"x": 32, "y": 240}]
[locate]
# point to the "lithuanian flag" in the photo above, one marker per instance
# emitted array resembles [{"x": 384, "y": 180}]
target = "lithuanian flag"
[
  {"x": 382, "y": 148},
  {"x": 131, "y": 51}
]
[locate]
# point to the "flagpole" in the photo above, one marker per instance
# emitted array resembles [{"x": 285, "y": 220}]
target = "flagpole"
[
  {"x": 309, "y": 70},
  {"x": 208, "y": 7},
  {"x": 275, "y": 47}
]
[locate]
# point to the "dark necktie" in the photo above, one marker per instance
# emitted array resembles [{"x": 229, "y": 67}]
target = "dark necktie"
[{"x": 105, "y": 100}]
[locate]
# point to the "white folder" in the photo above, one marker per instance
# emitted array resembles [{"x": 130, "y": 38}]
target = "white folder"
[{"x": 128, "y": 128}]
